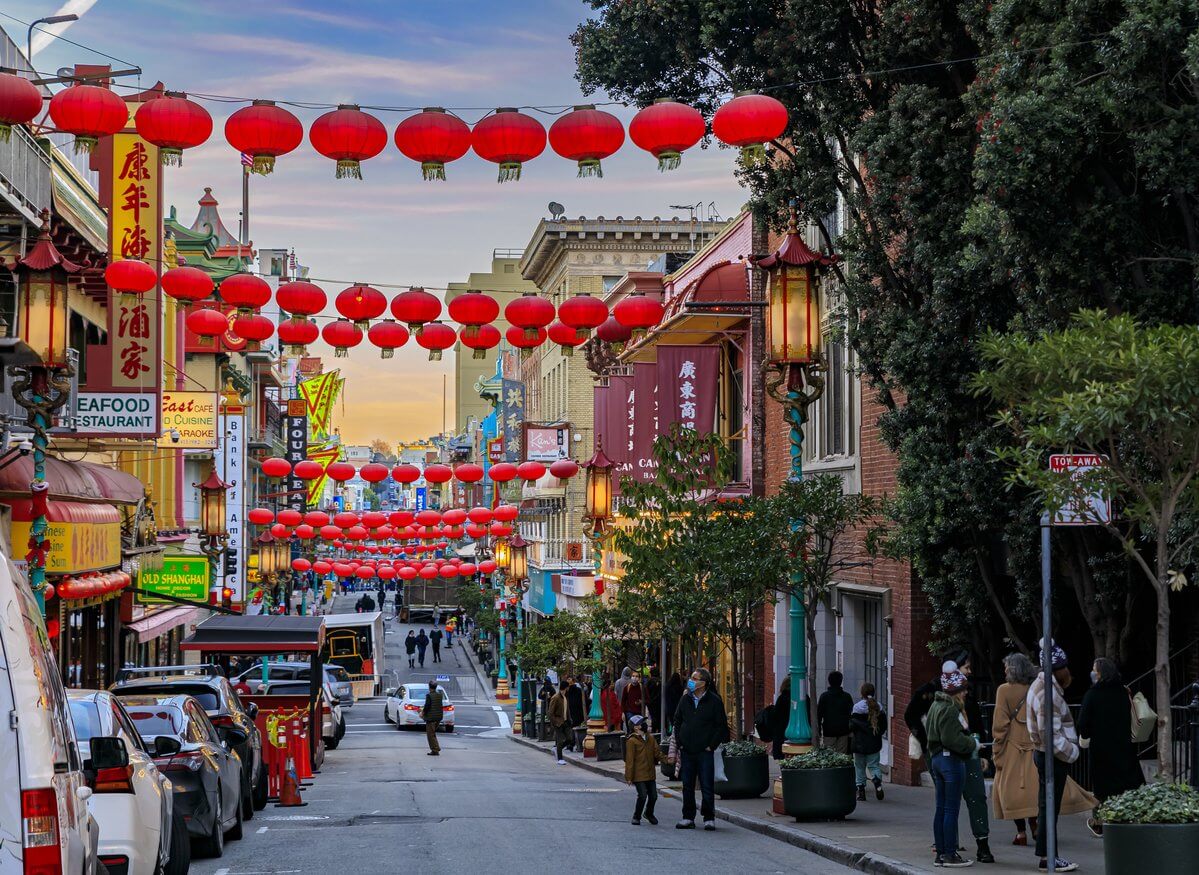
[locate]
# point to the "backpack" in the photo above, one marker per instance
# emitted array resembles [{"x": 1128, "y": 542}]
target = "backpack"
[{"x": 762, "y": 723}]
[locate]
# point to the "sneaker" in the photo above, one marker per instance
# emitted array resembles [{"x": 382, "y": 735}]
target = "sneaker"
[
  {"x": 1059, "y": 865},
  {"x": 561, "y": 762},
  {"x": 636, "y": 821},
  {"x": 861, "y": 792},
  {"x": 710, "y": 825},
  {"x": 878, "y": 789},
  {"x": 653, "y": 820},
  {"x": 1095, "y": 826},
  {"x": 685, "y": 824},
  {"x": 984, "y": 854},
  {"x": 954, "y": 861}
]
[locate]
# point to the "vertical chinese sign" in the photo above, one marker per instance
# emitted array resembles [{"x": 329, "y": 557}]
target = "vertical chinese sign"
[
  {"x": 645, "y": 421},
  {"x": 687, "y": 380},
  {"x": 512, "y": 414},
  {"x": 297, "y": 451},
  {"x": 229, "y": 457}
]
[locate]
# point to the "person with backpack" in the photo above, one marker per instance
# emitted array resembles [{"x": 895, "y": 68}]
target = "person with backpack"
[
  {"x": 432, "y": 713},
  {"x": 869, "y": 724}
]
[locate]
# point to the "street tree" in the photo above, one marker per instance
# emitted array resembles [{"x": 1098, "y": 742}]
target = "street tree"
[
  {"x": 1129, "y": 393},
  {"x": 562, "y": 642}
]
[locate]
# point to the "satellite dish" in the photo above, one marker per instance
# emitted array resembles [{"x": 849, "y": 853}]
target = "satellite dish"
[{"x": 557, "y": 211}]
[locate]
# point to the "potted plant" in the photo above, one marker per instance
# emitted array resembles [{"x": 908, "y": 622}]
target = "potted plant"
[
  {"x": 746, "y": 770},
  {"x": 818, "y": 785},
  {"x": 1154, "y": 828}
]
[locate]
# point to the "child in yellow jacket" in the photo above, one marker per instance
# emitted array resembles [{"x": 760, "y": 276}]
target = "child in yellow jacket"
[{"x": 641, "y": 756}]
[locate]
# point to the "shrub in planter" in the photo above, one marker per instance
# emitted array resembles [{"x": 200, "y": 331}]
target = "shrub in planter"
[
  {"x": 746, "y": 769},
  {"x": 1154, "y": 828},
  {"x": 818, "y": 785}
]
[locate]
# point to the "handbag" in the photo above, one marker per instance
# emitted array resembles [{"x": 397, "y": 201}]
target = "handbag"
[
  {"x": 670, "y": 768},
  {"x": 914, "y": 750},
  {"x": 1144, "y": 718},
  {"x": 718, "y": 765}
]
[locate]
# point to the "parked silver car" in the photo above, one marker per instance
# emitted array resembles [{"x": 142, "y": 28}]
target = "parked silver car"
[{"x": 336, "y": 676}]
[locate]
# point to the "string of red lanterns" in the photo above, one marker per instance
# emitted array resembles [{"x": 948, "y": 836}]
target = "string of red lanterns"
[{"x": 375, "y": 472}]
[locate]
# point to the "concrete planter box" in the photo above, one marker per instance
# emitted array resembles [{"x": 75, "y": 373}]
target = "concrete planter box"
[
  {"x": 1157, "y": 848},
  {"x": 609, "y": 746},
  {"x": 819, "y": 794},
  {"x": 748, "y": 777}
]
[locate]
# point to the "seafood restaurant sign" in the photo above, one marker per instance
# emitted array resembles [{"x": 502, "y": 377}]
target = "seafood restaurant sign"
[{"x": 117, "y": 413}]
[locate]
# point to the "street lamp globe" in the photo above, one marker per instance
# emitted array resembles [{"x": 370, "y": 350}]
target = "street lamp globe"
[
  {"x": 518, "y": 564},
  {"x": 212, "y": 506},
  {"x": 598, "y": 488},
  {"x": 793, "y": 329},
  {"x": 503, "y": 554}
]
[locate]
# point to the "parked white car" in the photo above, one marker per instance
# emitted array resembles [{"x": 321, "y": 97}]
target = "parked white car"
[
  {"x": 404, "y": 704},
  {"x": 44, "y": 822},
  {"x": 139, "y": 832}
]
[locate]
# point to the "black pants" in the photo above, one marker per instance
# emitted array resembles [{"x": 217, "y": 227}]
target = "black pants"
[
  {"x": 561, "y": 733},
  {"x": 647, "y": 797},
  {"x": 702, "y": 767},
  {"x": 437, "y": 653},
  {"x": 1060, "y": 771}
]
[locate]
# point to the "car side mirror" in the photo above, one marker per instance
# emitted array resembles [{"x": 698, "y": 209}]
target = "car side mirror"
[
  {"x": 252, "y": 710},
  {"x": 166, "y": 746},
  {"x": 108, "y": 752},
  {"x": 233, "y": 735}
]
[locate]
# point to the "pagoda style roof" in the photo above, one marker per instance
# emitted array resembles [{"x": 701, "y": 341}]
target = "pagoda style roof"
[
  {"x": 793, "y": 251},
  {"x": 208, "y": 221},
  {"x": 45, "y": 255}
]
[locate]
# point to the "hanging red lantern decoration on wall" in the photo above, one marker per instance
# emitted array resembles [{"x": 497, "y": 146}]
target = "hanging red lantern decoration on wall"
[
  {"x": 360, "y": 304},
  {"x": 322, "y": 566},
  {"x": 438, "y": 473},
  {"x": 530, "y": 471},
  {"x": 564, "y": 469},
  {"x": 89, "y": 112},
  {"x": 305, "y": 532},
  {"x": 520, "y": 339},
  {"x": 583, "y": 313},
  {"x": 750, "y": 121},
  {"x": 466, "y": 473},
  {"x": 187, "y": 285},
  {"x": 317, "y": 518},
  {"x": 434, "y": 138},
  {"x": 341, "y": 334},
  {"x": 436, "y": 337},
  {"x": 472, "y": 309},
  {"x": 373, "y": 472},
  {"x": 485, "y": 337},
  {"x": 530, "y": 313},
  {"x": 414, "y": 308},
  {"x": 349, "y": 136},
  {"x": 207, "y": 324},
  {"x": 263, "y": 131},
  {"x": 404, "y": 474},
  {"x": 567, "y": 337},
  {"x": 254, "y": 329},
  {"x": 476, "y": 530},
  {"x": 388, "y": 335},
  {"x": 341, "y": 471},
  {"x": 487, "y": 566},
  {"x": 301, "y": 298},
  {"x": 297, "y": 334},
  {"x": 173, "y": 123},
  {"x": 345, "y": 519},
  {"x": 587, "y": 135},
  {"x": 500, "y": 530},
  {"x": 429, "y": 518},
  {"x": 508, "y": 138},
  {"x": 373, "y": 519},
  {"x": 456, "y": 516},
  {"x": 613, "y": 332},
  {"x": 20, "y": 103},
  {"x": 502, "y": 472},
  {"x": 280, "y": 531},
  {"x": 261, "y": 516},
  {"x": 276, "y": 467},
  {"x": 128, "y": 276},
  {"x": 666, "y": 129},
  {"x": 246, "y": 292}
]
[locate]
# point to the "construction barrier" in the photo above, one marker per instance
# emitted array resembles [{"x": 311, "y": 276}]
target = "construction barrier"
[{"x": 286, "y": 738}]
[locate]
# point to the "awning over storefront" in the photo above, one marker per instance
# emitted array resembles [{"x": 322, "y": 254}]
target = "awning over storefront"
[
  {"x": 117, "y": 486},
  {"x": 160, "y": 622},
  {"x": 68, "y": 480},
  {"x": 262, "y": 633}
]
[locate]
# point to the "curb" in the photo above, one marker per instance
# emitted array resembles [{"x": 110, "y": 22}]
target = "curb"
[{"x": 838, "y": 852}]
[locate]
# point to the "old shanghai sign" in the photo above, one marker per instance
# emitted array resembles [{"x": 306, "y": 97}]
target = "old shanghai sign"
[
  {"x": 188, "y": 420},
  {"x": 1089, "y": 508},
  {"x": 182, "y": 577}
]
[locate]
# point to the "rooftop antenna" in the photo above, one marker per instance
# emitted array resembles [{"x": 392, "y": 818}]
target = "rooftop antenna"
[{"x": 557, "y": 211}]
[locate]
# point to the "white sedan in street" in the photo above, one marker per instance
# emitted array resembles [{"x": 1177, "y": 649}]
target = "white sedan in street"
[{"x": 404, "y": 704}]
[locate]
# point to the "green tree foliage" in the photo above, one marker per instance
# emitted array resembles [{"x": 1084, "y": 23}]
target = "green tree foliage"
[
  {"x": 480, "y": 606},
  {"x": 1130, "y": 393},
  {"x": 562, "y": 642},
  {"x": 1002, "y": 163}
]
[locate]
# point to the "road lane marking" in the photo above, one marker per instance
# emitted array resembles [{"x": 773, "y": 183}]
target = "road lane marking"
[{"x": 262, "y": 829}]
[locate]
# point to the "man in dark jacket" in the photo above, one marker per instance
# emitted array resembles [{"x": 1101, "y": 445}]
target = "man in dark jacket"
[
  {"x": 832, "y": 713},
  {"x": 576, "y": 710},
  {"x": 422, "y": 644},
  {"x": 435, "y": 640},
  {"x": 701, "y": 725},
  {"x": 432, "y": 713}
]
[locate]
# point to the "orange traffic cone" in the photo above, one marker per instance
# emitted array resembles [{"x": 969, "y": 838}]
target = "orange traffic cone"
[{"x": 289, "y": 793}]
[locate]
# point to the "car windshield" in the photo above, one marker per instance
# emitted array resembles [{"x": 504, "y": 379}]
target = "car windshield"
[
  {"x": 337, "y": 673},
  {"x": 151, "y": 721},
  {"x": 86, "y": 717},
  {"x": 288, "y": 688},
  {"x": 206, "y": 696},
  {"x": 417, "y": 691}
]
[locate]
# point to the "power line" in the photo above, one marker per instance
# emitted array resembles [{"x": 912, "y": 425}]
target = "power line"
[{"x": 65, "y": 40}]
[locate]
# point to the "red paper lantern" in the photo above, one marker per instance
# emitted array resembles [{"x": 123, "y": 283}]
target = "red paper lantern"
[
  {"x": 476, "y": 531},
  {"x": 566, "y": 337},
  {"x": 404, "y": 474},
  {"x": 408, "y": 572},
  {"x": 374, "y": 473},
  {"x": 587, "y": 135},
  {"x": 530, "y": 313},
  {"x": 428, "y": 517},
  {"x": 564, "y": 469},
  {"x": 89, "y": 112},
  {"x": 400, "y": 518},
  {"x": 530, "y": 471},
  {"x": 263, "y": 131},
  {"x": 457, "y": 516},
  {"x": 487, "y": 566},
  {"x": 289, "y": 517},
  {"x": 388, "y": 335},
  {"x": 322, "y": 566},
  {"x": 186, "y": 284},
  {"x": 750, "y": 121},
  {"x": 485, "y": 337},
  {"x": 246, "y": 292},
  {"x": 341, "y": 334},
  {"x": 386, "y": 572},
  {"x": 638, "y": 313},
  {"x": 438, "y": 473},
  {"x": 349, "y": 136},
  {"x": 341, "y": 471},
  {"x": 613, "y": 332},
  {"x": 415, "y": 307},
  {"x": 357, "y": 533},
  {"x": 276, "y": 467},
  {"x": 666, "y": 129},
  {"x": 508, "y": 138},
  {"x": 305, "y": 532},
  {"x": 130, "y": 276},
  {"x": 255, "y": 328},
  {"x": 261, "y": 516},
  {"x": 317, "y": 518},
  {"x": 523, "y": 340},
  {"x": 502, "y": 472},
  {"x": 436, "y": 337},
  {"x": 20, "y": 103},
  {"x": 506, "y": 513},
  {"x": 467, "y": 569},
  {"x": 434, "y": 138},
  {"x": 173, "y": 123},
  {"x": 365, "y": 572},
  {"x": 297, "y": 334},
  {"x": 345, "y": 520},
  {"x": 360, "y": 304},
  {"x": 479, "y": 515},
  {"x": 308, "y": 470},
  {"x": 500, "y": 530},
  {"x": 583, "y": 313},
  {"x": 428, "y": 572},
  {"x": 373, "y": 519},
  {"x": 448, "y": 571},
  {"x": 472, "y": 309},
  {"x": 280, "y": 531},
  {"x": 468, "y": 473},
  {"x": 301, "y": 298},
  {"x": 207, "y": 324}
]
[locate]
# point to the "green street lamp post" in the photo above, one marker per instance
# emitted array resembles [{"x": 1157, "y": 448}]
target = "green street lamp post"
[{"x": 597, "y": 518}]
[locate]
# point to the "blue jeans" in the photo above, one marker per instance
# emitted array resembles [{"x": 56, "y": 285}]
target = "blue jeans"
[
  {"x": 698, "y": 765},
  {"x": 949, "y": 774},
  {"x": 867, "y": 762}
]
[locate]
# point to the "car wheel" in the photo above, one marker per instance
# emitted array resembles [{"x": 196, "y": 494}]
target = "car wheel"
[
  {"x": 181, "y": 849},
  {"x": 247, "y": 800},
  {"x": 449, "y": 727},
  {"x": 213, "y": 845},
  {"x": 236, "y": 833},
  {"x": 261, "y": 790},
  {"x": 332, "y": 743},
  {"x": 386, "y": 715}
]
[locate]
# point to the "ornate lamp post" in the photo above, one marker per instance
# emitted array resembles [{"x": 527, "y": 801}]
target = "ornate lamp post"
[
  {"x": 794, "y": 377},
  {"x": 597, "y": 517},
  {"x": 215, "y": 537},
  {"x": 516, "y": 568}
]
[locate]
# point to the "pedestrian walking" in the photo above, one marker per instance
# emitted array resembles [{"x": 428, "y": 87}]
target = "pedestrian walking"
[
  {"x": 674, "y": 695},
  {"x": 449, "y": 635},
  {"x": 974, "y": 789},
  {"x": 368, "y": 603},
  {"x": 832, "y": 713},
  {"x": 431, "y": 713},
  {"x": 422, "y": 644},
  {"x": 780, "y": 716},
  {"x": 1105, "y": 726},
  {"x": 558, "y": 714},
  {"x": 576, "y": 707},
  {"x": 436, "y": 615},
  {"x": 609, "y": 705},
  {"x": 1014, "y": 790},
  {"x": 949, "y": 747},
  {"x": 868, "y": 724},
  {"x": 653, "y": 698},
  {"x": 626, "y": 674},
  {"x": 641, "y": 757},
  {"x": 1065, "y": 746},
  {"x": 632, "y": 700},
  {"x": 701, "y": 726},
  {"x": 410, "y": 648},
  {"x": 435, "y": 640}
]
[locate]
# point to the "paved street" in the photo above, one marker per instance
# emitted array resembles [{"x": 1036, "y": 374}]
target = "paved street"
[{"x": 381, "y": 805}]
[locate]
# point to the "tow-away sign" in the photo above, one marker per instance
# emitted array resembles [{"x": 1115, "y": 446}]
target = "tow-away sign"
[{"x": 1091, "y": 509}]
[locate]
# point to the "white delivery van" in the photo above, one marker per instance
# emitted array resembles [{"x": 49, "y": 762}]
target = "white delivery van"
[{"x": 45, "y": 827}]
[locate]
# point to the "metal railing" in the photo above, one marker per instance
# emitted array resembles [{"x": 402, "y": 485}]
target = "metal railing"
[{"x": 25, "y": 173}]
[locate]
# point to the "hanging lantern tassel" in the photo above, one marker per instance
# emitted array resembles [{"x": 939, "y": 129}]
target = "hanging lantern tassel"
[
  {"x": 84, "y": 145},
  {"x": 590, "y": 167},
  {"x": 387, "y": 352},
  {"x": 349, "y": 169},
  {"x": 341, "y": 352},
  {"x": 509, "y": 171},
  {"x": 669, "y": 160},
  {"x": 263, "y": 165},
  {"x": 170, "y": 157},
  {"x": 433, "y": 170},
  {"x": 5, "y": 132},
  {"x": 479, "y": 354},
  {"x": 434, "y": 355}
]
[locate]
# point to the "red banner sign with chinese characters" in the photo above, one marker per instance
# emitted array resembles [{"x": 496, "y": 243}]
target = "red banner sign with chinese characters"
[
  {"x": 687, "y": 380},
  {"x": 641, "y": 464}
]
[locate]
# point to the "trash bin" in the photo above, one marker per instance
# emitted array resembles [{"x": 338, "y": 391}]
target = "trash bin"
[{"x": 609, "y": 746}]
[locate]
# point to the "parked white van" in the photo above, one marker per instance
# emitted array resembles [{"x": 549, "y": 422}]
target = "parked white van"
[{"x": 45, "y": 828}]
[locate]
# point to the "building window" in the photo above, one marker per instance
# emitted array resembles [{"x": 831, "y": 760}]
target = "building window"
[
  {"x": 610, "y": 283},
  {"x": 831, "y": 432}
]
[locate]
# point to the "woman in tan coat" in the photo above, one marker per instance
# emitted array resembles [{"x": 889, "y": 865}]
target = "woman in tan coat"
[{"x": 1014, "y": 791}]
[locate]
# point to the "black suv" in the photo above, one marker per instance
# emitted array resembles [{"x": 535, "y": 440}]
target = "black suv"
[{"x": 215, "y": 694}]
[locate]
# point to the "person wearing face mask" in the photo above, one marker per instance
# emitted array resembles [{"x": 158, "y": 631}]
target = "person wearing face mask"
[
  {"x": 701, "y": 725},
  {"x": 1105, "y": 721},
  {"x": 950, "y": 747},
  {"x": 1065, "y": 746}
]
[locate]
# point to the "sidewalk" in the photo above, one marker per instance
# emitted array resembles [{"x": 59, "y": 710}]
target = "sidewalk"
[
  {"x": 462, "y": 645},
  {"x": 892, "y": 837}
]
